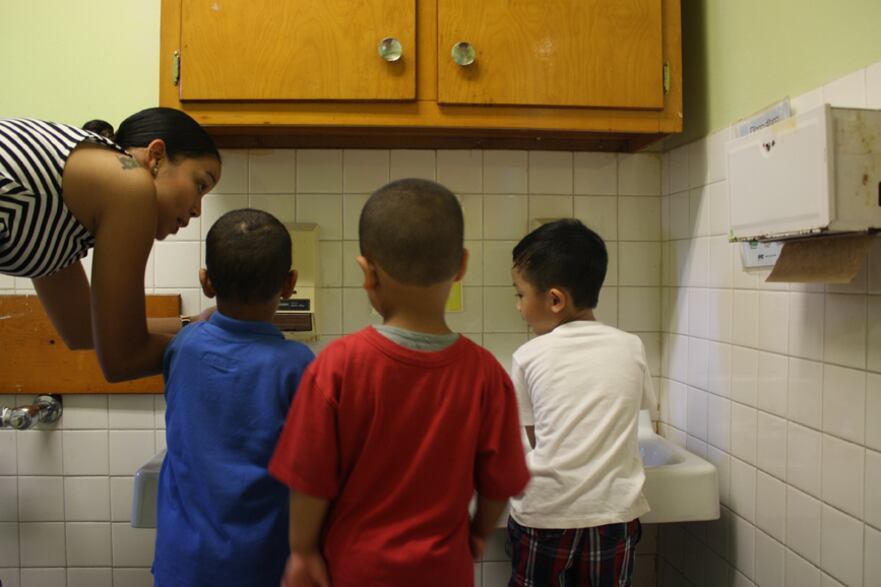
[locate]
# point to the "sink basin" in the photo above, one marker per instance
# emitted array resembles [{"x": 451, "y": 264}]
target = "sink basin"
[
  {"x": 679, "y": 486},
  {"x": 144, "y": 493}
]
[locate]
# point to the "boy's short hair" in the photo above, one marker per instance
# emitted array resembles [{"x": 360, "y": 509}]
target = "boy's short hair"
[
  {"x": 564, "y": 253},
  {"x": 247, "y": 256},
  {"x": 414, "y": 230}
]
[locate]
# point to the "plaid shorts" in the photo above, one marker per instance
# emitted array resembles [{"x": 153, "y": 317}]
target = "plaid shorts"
[{"x": 602, "y": 556}]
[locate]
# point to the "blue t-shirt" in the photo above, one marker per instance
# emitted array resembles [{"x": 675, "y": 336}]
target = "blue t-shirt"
[{"x": 221, "y": 519}]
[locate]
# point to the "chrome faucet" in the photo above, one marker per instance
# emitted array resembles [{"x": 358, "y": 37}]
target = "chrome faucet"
[{"x": 46, "y": 409}]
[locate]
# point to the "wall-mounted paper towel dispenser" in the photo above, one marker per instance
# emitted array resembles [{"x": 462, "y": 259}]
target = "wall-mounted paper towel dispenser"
[
  {"x": 814, "y": 173},
  {"x": 297, "y": 316}
]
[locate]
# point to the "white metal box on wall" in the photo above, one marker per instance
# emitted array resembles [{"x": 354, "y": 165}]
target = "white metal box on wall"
[{"x": 815, "y": 173}]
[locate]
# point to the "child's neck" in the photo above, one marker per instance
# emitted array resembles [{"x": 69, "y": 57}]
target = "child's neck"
[
  {"x": 578, "y": 315},
  {"x": 249, "y": 312},
  {"x": 416, "y": 308}
]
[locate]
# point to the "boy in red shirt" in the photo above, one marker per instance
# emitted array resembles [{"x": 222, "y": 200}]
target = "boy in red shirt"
[{"x": 394, "y": 427}]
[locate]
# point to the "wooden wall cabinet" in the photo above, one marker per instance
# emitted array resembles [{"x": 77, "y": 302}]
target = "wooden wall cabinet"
[{"x": 601, "y": 74}]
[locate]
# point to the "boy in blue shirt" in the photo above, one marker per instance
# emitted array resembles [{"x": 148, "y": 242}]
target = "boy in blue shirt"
[{"x": 221, "y": 519}]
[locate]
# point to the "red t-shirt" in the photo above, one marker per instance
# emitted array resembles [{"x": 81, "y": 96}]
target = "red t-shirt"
[{"x": 399, "y": 440}]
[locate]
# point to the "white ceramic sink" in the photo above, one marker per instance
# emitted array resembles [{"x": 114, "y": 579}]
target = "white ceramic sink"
[{"x": 679, "y": 486}]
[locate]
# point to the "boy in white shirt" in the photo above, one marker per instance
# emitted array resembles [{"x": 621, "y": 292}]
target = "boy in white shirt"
[{"x": 580, "y": 385}]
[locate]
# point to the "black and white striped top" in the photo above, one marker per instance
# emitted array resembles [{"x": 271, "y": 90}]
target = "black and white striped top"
[{"x": 38, "y": 234}]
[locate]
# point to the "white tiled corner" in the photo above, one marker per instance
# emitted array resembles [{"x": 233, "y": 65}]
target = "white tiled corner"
[
  {"x": 697, "y": 365},
  {"x": 745, "y": 329},
  {"x": 872, "y": 571},
  {"x": 550, "y": 172},
  {"x": 596, "y": 174},
  {"x": 413, "y": 163},
  {"x": 639, "y": 264},
  {"x": 771, "y": 506},
  {"x": 505, "y": 172},
  {"x": 639, "y": 308},
  {"x": 272, "y": 171},
  {"x": 461, "y": 171},
  {"x": 639, "y": 174},
  {"x": 719, "y": 369},
  {"x": 320, "y": 171},
  {"x": 743, "y": 547},
  {"x": 699, "y": 211}
]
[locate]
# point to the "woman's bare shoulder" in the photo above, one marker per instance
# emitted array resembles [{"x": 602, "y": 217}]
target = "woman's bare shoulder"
[{"x": 96, "y": 178}]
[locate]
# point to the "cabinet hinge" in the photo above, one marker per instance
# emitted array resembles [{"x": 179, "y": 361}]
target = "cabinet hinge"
[
  {"x": 666, "y": 76},
  {"x": 175, "y": 68}
]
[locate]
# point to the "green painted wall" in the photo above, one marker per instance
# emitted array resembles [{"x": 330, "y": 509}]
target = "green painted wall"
[
  {"x": 741, "y": 55},
  {"x": 73, "y": 60}
]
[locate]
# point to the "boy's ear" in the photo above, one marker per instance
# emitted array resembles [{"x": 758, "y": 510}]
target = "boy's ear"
[
  {"x": 371, "y": 279},
  {"x": 463, "y": 266},
  {"x": 287, "y": 288},
  {"x": 207, "y": 286},
  {"x": 557, "y": 299}
]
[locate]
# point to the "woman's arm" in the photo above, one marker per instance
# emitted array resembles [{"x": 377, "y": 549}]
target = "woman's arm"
[
  {"x": 65, "y": 297},
  {"x": 118, "y": 204}
]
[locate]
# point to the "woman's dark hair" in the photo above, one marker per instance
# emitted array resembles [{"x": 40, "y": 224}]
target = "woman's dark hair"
[
  {"x": 565, "y": 254},
  {"x": 183, "y": 136},
  {"x": 247, "y": 256},
  {"x": 100, "y": 127}
]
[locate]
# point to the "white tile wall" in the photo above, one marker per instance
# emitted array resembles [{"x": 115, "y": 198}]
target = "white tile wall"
[{"x": 796, "y": 436}]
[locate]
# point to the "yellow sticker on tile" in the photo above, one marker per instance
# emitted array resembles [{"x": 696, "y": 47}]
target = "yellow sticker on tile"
[{"x": 454, "y": 302}]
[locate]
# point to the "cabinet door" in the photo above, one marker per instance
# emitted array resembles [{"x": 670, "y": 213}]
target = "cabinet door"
[
  {"x": 593, "y": 53},
  {"x": 296, "y": 50}
]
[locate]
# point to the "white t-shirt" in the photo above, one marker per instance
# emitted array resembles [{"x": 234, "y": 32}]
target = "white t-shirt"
[{"x": 582, "y": 386}]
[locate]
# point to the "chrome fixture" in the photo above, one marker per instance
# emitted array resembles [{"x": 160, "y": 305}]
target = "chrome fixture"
[{"x": 46, "y": 409}]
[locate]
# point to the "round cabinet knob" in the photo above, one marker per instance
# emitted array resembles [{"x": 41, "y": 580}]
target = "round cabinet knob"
[
  {"x": 390, "y": 49},
  {"x": 463, "y": 53}
]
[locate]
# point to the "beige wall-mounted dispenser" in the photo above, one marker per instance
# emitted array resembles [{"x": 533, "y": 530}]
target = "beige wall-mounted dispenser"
[{"x": 297, "y": 316}]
